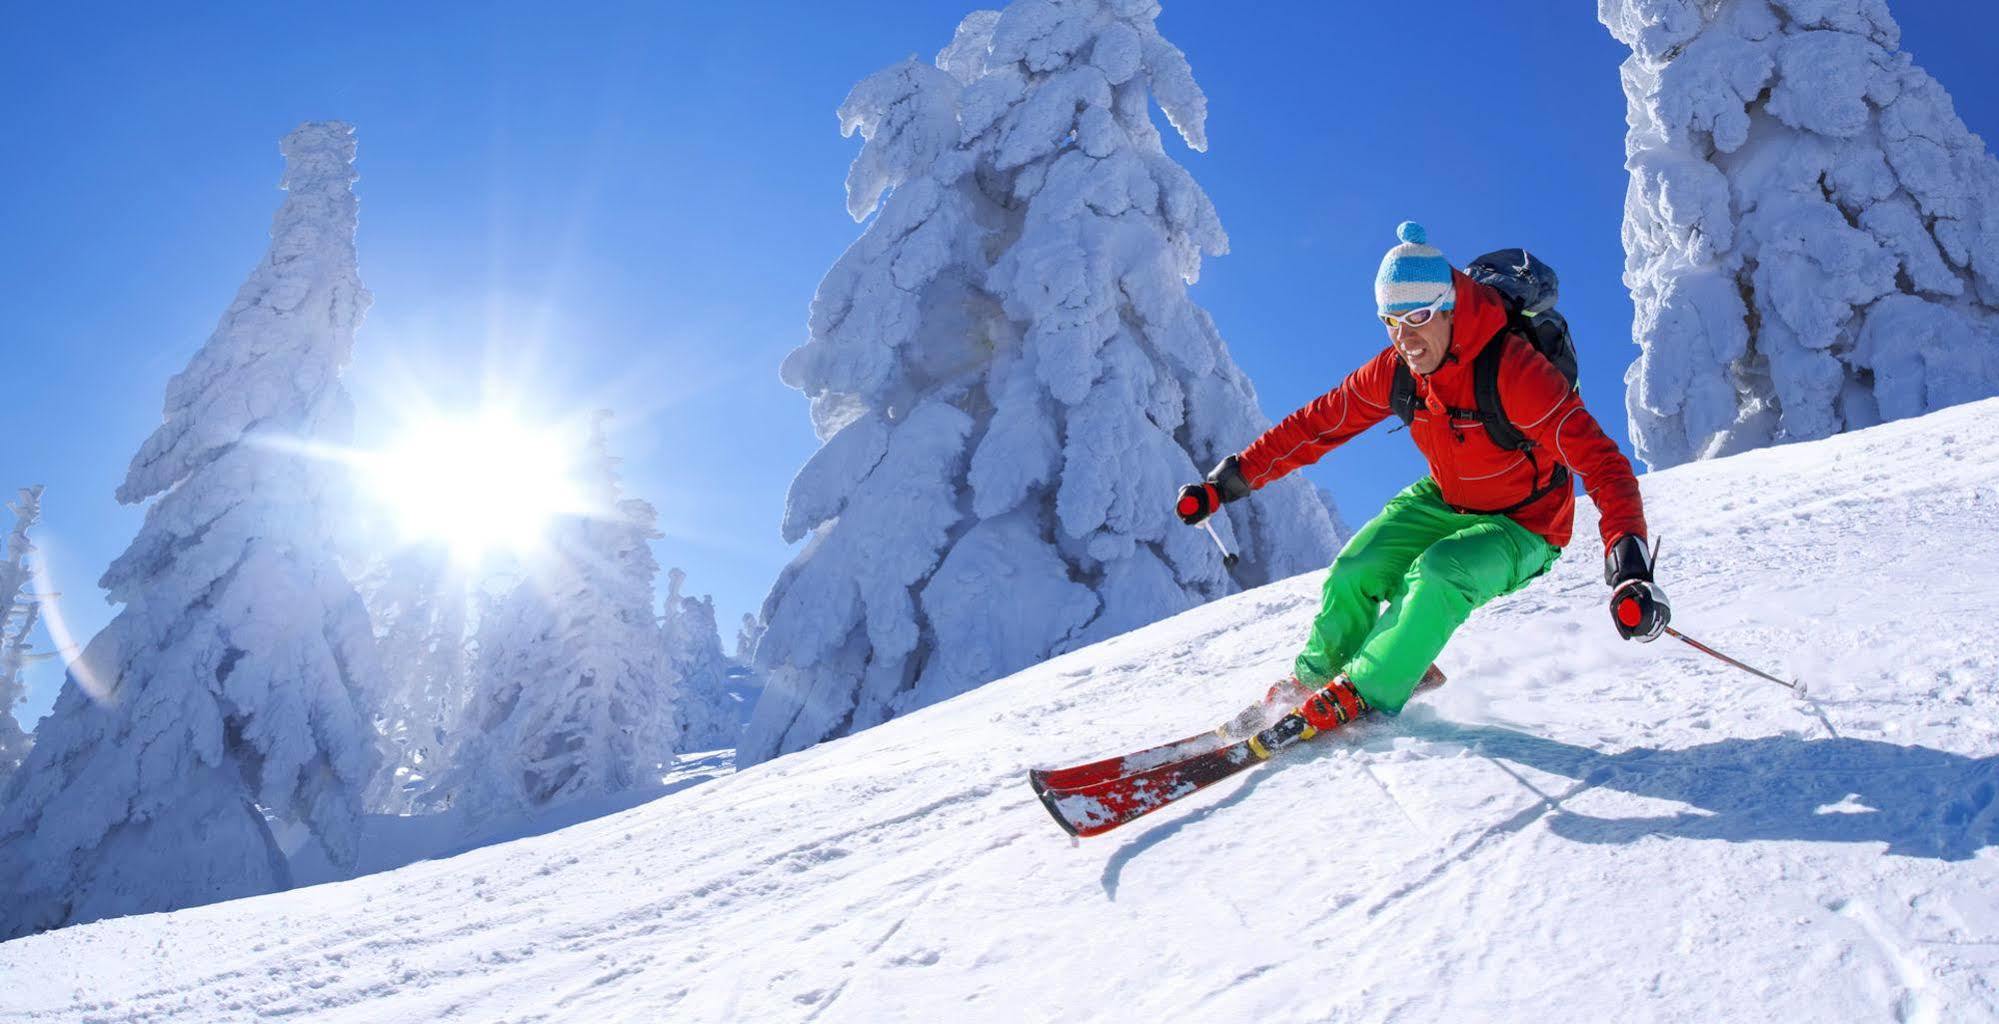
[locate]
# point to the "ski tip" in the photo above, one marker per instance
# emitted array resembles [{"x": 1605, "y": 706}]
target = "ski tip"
[{"x": 1038, "y": 780}]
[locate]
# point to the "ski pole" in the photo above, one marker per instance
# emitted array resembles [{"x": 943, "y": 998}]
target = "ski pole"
[
  {"x": 1228, "y": 557},
  {"x": 1797, "y": 686}
]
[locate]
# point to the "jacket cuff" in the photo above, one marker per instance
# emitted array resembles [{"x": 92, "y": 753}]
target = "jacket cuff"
[
  {"x": 1628, "y": 559},
  {"x": 1228, "y": 479}
]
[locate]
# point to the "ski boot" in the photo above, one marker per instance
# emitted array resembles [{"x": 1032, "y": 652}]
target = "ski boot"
[
  {"x": 1287, "y": 694},
  {"x": 1283, "y": 695},
  {"x": 1335, "y": 705}
]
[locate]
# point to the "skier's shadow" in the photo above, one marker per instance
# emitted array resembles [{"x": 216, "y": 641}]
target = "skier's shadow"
[
  {"x": 1114, "y": 868},
  {"x": 1919, "y": 801}
]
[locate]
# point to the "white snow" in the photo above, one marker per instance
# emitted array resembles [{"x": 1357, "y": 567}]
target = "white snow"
[
  {"x": 1010, "y": 380},
  {"x": 1811, "y": 234},
  {"x": 1575, "y": 828}
]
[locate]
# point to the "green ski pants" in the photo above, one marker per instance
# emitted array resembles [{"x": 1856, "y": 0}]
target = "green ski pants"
[{"x": 1431, "y": 566}]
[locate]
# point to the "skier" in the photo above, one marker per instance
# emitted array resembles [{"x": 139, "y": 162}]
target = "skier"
[{"x": 1486, "y": 521}]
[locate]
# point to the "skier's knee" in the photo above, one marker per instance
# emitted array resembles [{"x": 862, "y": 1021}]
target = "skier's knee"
[
  {"x": 1442, "y": 565},
  {"x": 1357, "y": 576}
]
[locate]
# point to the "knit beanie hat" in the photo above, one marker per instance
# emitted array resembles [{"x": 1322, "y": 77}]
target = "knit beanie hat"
[{"x": 1413, "y": 274}]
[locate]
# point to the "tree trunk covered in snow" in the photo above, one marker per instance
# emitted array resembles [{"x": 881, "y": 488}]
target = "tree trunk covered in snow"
[
  {"x": 20, "y": 609},
  {"x": 1811, "y": 235},
  {"x": 234, "y": 682},
  {"x": 1010, "y": 379},
  {"x": 573, "y": 697}
]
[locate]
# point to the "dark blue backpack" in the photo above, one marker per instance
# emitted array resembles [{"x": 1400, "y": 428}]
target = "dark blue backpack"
[{"x": 1528, "y": 288}]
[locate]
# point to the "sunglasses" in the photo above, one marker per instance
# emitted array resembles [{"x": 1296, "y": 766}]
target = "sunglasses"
[{"x": 1415, "y": 317}]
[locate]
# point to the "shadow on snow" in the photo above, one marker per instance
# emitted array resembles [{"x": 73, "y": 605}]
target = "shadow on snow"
[{"x": 1919, "y": 801}]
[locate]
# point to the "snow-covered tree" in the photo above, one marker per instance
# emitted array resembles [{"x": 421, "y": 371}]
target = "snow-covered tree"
[
  {"x": 1010, "y": 380},
  {"x": 232, "y": 684},
  {"x": 704, "y": 710},
  {"x": 20, "y": 609},
  {"x": 1811, "y": 234},
  {"x": 747, "y": 635},
  {"x": 572, "y": 696},
  {"x": 419, "y": 603}
]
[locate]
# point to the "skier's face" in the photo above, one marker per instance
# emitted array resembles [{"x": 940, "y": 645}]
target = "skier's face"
[{"x": 1423, "y": 348}]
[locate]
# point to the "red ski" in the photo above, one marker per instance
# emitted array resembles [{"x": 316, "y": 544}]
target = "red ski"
[
  {"x": 1095, "y": 807},
  {"x": 1245, "y": 724}
]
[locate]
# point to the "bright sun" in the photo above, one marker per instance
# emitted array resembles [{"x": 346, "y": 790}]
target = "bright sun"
[{"x": 479, "y": 484}]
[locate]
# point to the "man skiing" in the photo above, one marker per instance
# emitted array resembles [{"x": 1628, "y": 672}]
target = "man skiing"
[{"x": 1486, "y": 521}]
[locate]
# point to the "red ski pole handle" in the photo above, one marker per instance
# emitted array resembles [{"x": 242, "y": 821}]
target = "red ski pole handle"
[{"x": 1197, "y": 502}]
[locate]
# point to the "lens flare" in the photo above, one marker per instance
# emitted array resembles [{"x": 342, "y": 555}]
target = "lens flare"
[{"x": 479, "y": 485}]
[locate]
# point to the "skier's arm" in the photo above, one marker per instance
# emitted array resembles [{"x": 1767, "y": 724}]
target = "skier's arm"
[
  {"x": 1551, "y": 414},
  {"x": 1329, "y": 421}
]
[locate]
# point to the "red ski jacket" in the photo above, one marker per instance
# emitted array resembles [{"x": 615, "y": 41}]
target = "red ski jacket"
[{"x": 1473, "y": 473}]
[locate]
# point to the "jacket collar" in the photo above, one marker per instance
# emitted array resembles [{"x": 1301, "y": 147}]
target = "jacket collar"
[{"x": 1476, "y": 318}]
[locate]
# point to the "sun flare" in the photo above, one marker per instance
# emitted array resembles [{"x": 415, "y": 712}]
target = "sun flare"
[{"x": 479, "y": 485}]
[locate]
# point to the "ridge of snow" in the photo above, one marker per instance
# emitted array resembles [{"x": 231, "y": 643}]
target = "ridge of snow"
[{"x": 1619, "y": 828}]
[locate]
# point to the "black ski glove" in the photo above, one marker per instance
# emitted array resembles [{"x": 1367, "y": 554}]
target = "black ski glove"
[
  {"x": 1199, "y": 501},
  {"x": 1637, "y": 606}
]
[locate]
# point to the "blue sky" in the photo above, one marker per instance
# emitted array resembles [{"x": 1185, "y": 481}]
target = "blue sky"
[{"x": 631, "y": 206}]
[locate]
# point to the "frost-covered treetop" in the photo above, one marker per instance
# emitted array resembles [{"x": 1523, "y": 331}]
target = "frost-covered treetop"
[
  {"x": 266, "y": 369},
  {"x": 1811, "y": 235},
  {"x": 1040, "y": 78}
]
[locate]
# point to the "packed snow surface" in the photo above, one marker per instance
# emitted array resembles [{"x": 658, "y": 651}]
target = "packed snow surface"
[{"x": 1573, "y": 827}]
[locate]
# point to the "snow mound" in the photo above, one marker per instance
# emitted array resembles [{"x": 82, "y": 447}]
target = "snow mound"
[{"x": 1573, "y": 826}]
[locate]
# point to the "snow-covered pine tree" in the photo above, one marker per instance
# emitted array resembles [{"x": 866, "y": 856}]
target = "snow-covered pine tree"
[
  {"x": 1010, "y": 380},
  {"x": 747, "y": 634},
  {"x": 1811, "y": 234},
  {"x": 419, "y": 602},
  {"x": 20, "y": 609},
  {"x": 572, "y": 696},
  {"x": 232, "y": 684},
  {"x": 704, "y": 712}
]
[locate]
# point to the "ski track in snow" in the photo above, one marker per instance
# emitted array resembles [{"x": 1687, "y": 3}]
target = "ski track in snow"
[{"x": 1620, "y": 829}]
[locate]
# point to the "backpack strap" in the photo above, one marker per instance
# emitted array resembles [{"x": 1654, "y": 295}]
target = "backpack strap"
[
  {"x": 1402, "y": 394},
  {"x": 1485, "y": 386},
  {"x": 1492, "y": 414}
]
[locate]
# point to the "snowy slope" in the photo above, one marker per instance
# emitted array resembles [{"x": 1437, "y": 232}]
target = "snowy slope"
[{"x": 1552, "y": 836}]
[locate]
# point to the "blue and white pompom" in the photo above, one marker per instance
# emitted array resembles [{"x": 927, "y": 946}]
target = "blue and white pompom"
[{"x": 1414, "y": 274}]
